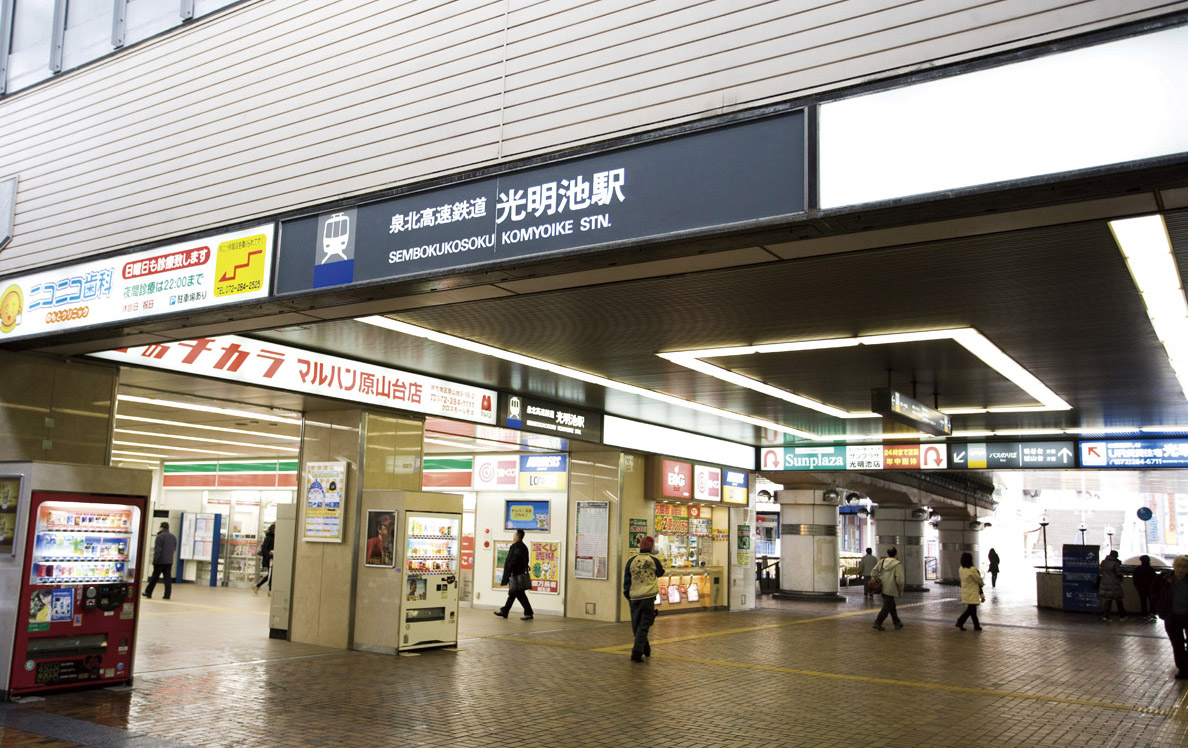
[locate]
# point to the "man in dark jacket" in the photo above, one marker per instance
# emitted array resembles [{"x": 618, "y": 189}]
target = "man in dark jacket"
[
  {"x": 640, "y": 587},
  {"x": 516, "y": 563},
  {"x": 164, "y": 551},
  {"x": 1172, "y": 603}
]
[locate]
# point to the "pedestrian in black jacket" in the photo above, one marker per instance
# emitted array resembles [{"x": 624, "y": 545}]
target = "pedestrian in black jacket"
[
  {"x": 1144, "y": 585},
  {"x": 517, "y": 578},
  {"x": 1173, "y": 609}
]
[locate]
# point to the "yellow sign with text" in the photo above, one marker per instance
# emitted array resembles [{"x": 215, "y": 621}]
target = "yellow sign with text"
[{"x": 239, "y": 265}]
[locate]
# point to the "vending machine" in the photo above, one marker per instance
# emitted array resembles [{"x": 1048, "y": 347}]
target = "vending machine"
[
  {"x": 75, "y": 573},
  {"x": 429, "y": 605}
]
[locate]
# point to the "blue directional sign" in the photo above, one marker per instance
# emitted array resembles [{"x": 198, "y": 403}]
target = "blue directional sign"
[{"x": 1135, "y": 453}]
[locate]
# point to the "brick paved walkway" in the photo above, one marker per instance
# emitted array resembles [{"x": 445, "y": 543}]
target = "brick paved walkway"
[{"x": 788, "y": 674}]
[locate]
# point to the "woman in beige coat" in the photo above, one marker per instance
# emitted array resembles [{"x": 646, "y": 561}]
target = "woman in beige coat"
[{"x": 971, "y": 591}]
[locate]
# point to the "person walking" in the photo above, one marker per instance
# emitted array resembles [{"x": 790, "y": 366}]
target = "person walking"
[
  {"x": 866, "y": 566},
  {"x": 266, "y": 550},
  {"x": 1144, "y": 585},
  {"x": 890, "y": 572},
  {"x": 992, "y": 556},
  {"x": 517, "y": 578},
  {"x": 164, "y": 551},
  {"x": 971, "y": 591},
  {"x": 641, "y": 586},
  {"x": 1110, "y": 587},
  {"x": 1172, "y": 600}
]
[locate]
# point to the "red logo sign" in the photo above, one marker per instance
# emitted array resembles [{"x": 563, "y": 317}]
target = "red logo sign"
[{"x": 678, "y": 479}]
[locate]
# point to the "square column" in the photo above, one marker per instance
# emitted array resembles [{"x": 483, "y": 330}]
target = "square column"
[{"x": 809, "y": 563}]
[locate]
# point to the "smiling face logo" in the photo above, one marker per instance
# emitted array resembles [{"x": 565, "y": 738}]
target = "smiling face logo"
[{"x": 12, "y": 305}]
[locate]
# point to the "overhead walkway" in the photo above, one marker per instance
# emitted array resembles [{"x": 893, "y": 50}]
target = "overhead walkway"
[{"x": 787, "y": 674}]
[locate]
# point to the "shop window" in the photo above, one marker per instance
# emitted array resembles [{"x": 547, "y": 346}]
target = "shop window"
[
  {"x": 88, "y": 32},
  {"x": 148, "y": 17},
  {"x": 29, "y": 53}
]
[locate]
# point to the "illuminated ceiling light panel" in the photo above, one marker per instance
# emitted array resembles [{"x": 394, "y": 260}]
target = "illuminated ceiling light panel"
[
  {"x": 204, "y": 427},
  {"x": 1164, "y": 429},
  {"x": 967, "y": 337},
  {"x": 140, "y": 454},
  {"x": 1145, "y": 245},
  {"x": 535, "y": 363},
  {"x": 205, "y": 440},
  {"x": 208, "y": 409}
]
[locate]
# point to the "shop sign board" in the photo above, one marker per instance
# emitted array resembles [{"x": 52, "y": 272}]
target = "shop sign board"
[
  {"x": 671, "y": 519},
  {"x": 864, "y": 457},
  {"x": 804, "y": 458},
  {"x": 1005, "y": 455},
  {"x": 915, "y": 457},
  {"x": 543, "y": 472},
  {"x": 676, "y": 479},
  {"x": 1080, "y": 565},
  {"x": 447, "y": 472},
  {"x": 541, "y": 417},
  {"x": 324, "y": 487},
  {"x": 494, "y": 473},
  {"x": 633, "y": 194},
  {"x": 734, "y": 487},
  {"x": 258, "y": 362},
  {"x": 707, "y": 483},
  {"x": 1135, "y": 453},
  {"x": 544, "y": 564},
  {"x": 176, "y": 279}
]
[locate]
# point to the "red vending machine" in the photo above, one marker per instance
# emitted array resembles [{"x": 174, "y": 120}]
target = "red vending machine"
[{"x": 76, "y": 612}]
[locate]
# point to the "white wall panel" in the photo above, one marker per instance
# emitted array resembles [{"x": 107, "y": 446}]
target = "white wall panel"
[{"x": 274, "y": 105}]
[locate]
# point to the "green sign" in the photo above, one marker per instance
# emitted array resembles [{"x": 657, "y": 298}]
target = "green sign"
[{"x": 636, "y": 530}]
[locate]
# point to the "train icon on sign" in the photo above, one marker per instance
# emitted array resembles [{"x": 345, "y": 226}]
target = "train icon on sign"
[{"x": 336, "y": 237}]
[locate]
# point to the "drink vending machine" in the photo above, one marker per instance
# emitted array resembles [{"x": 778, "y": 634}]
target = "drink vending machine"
[
  {"x": 75, "y": 573},
  {"x": 429, "y": 606}
]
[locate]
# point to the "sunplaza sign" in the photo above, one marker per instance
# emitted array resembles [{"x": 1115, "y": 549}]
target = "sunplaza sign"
[
  {"x": 257, "y": 362},
  {"x": 682, "y": 185},
  {"x": 226, "y": 268}
]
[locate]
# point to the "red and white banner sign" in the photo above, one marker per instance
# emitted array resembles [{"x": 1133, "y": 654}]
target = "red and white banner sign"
[
  {"x": 259, "y": 362},
  {"x": 707, "y": 483},
  {"x": 496, "y": 473}
]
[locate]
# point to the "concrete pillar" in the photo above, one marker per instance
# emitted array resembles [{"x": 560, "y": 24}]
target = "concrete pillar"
[
  {"x": 809, "y": 565},
  {"x": 897, "y": 527},
  {"x": 956, "y": 536}
]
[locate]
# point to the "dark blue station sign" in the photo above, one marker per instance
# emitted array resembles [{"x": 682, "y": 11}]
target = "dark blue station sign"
[{"x": 680, "y": 186}]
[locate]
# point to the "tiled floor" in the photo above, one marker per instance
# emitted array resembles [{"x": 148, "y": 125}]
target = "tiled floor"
[{"x": 788, "y": 674}]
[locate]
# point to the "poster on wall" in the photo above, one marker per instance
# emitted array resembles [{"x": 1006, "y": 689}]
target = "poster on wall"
[
  {"x": 325, "y": 486},
  {"x": 500, "y": 549},
  {"x": 10, "y": 494},
  {"x": 744, "y": 546},
  {"x": 381, "y": 538},
  {"x": 672, "y": 519},
  {"x": 529, "y": 516},
  {"x": 545, "y": 563},
  {"x": 593, "y": 524},
  {"x": 636, "y": 530}
]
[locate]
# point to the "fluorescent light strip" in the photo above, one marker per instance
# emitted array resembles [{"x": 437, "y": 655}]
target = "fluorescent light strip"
[
  {"x": 208, "y": 409},
  {"x": 141, "y": 454},
  {"x": 1147, "y": 249},
  {"x": 221, "y": 429},
  {"x": 175, "y": 449},
  {"x": 205, "y": 440},
  {"x": 133, "y": 459},
  {"x": 1163, "y": 429},
  {"x": 967, "y": 337},
  {"x": 565, "y": 371}
]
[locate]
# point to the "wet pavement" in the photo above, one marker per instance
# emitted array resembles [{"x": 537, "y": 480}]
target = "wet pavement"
[{"x": 786, "y": 674}]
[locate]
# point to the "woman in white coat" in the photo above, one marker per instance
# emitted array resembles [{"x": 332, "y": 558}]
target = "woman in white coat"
[{"x": 971, "y": 591}]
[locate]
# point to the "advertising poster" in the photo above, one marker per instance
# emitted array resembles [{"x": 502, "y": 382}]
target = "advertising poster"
[
  {"x": 745, "y": 557},
  {"x": 10, "y": 493},
  {"x": 381, "y": 538},
  {"x": 593, "y": 523},
  {"x": 529, "y": 516},
  {"x": 1081, "y": 564},
  {"x": 545, "y": 564},
  {"x": 672, "y": 519},
  {"x": 325, "y": 486},
  {"x": 636, "y": 530},
  {"x": 177, "y": 279},
  {"x": 500, "y": 549}
]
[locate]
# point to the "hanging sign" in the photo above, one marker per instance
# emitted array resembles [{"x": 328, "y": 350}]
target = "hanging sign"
[
  {"x": 1135, "y": 453},
  {"x": 734, "y": 487},
  {"x": 541, "y": 417}
]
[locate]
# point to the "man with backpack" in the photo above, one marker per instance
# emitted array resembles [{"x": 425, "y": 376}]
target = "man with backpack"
[{"x": 889, "y": 571}]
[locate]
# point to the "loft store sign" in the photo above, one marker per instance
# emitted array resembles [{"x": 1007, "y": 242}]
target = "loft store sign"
[{"x": 678, "y": 186}]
